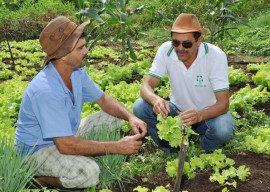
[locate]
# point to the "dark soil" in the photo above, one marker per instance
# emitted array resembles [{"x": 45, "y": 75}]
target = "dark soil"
[{"x": 258, "y": 181}]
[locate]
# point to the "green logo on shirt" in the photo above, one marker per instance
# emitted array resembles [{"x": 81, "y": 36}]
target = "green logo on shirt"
[{"x": 199, "y": 81}]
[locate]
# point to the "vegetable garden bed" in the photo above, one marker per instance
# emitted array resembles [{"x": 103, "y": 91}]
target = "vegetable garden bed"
[{"x": 258, "y": 181}]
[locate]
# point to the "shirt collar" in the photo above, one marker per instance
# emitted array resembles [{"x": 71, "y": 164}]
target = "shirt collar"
[{"x": 52, "y": 70}]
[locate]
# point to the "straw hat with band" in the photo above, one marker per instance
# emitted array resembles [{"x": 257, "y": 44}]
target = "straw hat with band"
[
  {"x": 187, "y": 23},
  {"x": 59, "y": 37}
]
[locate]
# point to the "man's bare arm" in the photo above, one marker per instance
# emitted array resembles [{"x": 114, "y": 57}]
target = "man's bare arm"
[
  {"x": 76, "y": 146},
  {"x": 115, "y": 108}
]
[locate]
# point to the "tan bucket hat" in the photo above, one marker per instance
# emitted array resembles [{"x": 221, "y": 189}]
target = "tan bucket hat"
[
  {"x": 59, "y": 37},
  {"x": 186, "y": 23}
]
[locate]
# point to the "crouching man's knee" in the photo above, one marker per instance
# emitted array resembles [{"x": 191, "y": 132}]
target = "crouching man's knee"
[
  {"x": 225, "y": 129},
  {"x": 84, "y": 175}
]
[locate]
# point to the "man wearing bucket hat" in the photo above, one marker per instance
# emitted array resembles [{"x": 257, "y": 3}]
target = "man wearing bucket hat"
[
  {"x": 198, "y": 74},
  {"x": 50, "y": 129}
]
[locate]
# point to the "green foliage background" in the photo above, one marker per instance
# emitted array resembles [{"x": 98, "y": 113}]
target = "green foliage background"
[{"x": 21, "y": 20}]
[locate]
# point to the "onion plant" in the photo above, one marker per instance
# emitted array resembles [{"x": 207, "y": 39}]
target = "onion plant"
[
  {"x": 15, "y": 171},
  {"x": 110, "y": 164}
]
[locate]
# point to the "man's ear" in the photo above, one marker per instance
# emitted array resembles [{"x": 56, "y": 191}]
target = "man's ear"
[
  {"x": 64, "y": 58},
  {"x": 200, "y": 39}
]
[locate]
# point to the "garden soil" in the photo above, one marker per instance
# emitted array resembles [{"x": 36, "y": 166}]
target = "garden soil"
[{"x": 258, "y": 181}]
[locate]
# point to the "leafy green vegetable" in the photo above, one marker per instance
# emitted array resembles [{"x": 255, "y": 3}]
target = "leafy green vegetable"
[
  {"x": 169, "y": 129},
  {"x": 237, "y": 76},
  {"x": 262, "y": 77},
  {"x": 141, "y": 189},
  {"x": 259, "y": 142}
]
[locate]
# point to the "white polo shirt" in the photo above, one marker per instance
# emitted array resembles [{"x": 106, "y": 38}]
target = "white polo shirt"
[{"x": 193, "y": 88}]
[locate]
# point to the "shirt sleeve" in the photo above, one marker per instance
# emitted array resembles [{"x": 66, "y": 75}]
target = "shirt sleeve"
[
  {"x": 90, "y": 90},
  {"x": 219, "y": 73},
  {"x": 159, "y": 68},
  {"x": 52, "y": 114}
]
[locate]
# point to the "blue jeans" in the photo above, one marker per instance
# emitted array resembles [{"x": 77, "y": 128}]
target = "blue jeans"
[{"x": 213, "y": 132}]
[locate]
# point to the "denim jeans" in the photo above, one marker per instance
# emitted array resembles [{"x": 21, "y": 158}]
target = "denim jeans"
[{"x": 213, "y": 132}]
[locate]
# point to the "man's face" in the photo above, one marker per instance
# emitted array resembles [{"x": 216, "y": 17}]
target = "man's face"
[
  {"x": 186, "y": 47},
  {"x": 76, "y": 58}
]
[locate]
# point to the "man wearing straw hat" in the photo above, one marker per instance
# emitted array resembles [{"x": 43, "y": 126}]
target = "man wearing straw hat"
[
  {"x": 198, "y": 74},
  {"x": 50, "y": 114}
]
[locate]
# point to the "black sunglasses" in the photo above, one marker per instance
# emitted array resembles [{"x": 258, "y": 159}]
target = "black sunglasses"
[{"x": 185, "y": 44}]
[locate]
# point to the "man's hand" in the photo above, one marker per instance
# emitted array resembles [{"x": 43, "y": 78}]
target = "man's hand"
[
  {"x": 190, "y": 117},
  {"x": 138, "y": 126},
  {"x": 161, "y": 106},
  {"x": 130, "y": 144}
]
